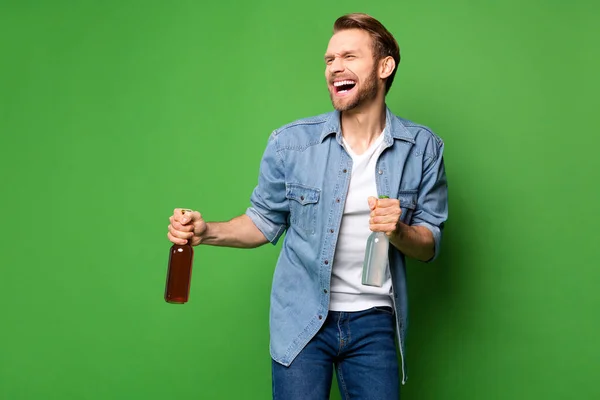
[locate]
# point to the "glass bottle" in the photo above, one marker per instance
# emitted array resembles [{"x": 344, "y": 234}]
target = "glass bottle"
[
  {"x": 179, "y": 273},
  {"x": 376, "y": 258}
]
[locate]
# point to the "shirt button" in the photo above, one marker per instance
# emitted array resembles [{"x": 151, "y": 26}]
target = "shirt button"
[
  {"x": 331, "y": 231},
  {"x": 324, "y": 290},
  {"x": 380, "y": 172},
  {"x": 345, "y": 170},
  {"x": 337, "y": 200},
  {"x": 320, "y": 317},
  {"x": 302, "y": 197},
  {"x": 326, "y": 262}
]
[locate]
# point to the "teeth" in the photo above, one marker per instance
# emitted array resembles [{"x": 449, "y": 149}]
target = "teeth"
[{"x": 340, "y": 83}]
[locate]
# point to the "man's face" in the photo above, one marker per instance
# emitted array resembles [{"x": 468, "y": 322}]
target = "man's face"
[{"x": 351, "y": 71}]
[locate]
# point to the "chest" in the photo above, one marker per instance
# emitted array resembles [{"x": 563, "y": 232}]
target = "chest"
[{"x": 324, "y": 182}]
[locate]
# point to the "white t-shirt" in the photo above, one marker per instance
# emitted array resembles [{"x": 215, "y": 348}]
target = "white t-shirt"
[{"x": 347, "y": 291}]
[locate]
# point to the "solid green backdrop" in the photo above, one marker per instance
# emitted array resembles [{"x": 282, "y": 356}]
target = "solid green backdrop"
[{"x": 113, "y": 113}]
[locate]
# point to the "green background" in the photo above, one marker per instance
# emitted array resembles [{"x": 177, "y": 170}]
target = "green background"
[{"x": 113, "y": 113}]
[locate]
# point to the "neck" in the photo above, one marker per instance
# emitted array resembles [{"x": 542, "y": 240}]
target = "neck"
[{"x": 362, "y": 125}]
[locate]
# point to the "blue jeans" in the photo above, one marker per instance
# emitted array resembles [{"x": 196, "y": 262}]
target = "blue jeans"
[{"x": 361, "y": 345}]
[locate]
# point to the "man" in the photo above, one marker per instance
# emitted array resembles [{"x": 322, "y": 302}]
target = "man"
[{"x": 319, "y": 181}]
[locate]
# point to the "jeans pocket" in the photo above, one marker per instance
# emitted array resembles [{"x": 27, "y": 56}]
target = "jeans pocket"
[{"x": 384, "y": 309}]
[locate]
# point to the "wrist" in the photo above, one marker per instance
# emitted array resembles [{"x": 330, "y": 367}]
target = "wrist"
[
  {"x": 400, "y": 232},
  {"x": 206, "y": 234}
]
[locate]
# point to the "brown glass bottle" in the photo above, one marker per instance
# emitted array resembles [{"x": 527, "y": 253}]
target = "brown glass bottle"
[{"x": 179, "y": 273}]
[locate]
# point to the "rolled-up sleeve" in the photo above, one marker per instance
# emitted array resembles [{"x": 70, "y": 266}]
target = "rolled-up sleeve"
[
  {"x": 432, "y": 203},
  {"x": 269, "y": 207}
]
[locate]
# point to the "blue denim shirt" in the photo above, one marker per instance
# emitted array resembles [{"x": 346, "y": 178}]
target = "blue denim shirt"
[{"x": 302, "y": 186}]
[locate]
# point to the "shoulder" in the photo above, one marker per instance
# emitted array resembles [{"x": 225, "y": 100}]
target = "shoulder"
[
  {"x": 312, "y": 122},
  {"x": 422, "y": 135},
  {"x": 303, "y": 132}
]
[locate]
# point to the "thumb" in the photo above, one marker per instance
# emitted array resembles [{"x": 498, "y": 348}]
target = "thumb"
[
  {"x": 372, "y": 202},
  {"x": 189, "y": 216}
]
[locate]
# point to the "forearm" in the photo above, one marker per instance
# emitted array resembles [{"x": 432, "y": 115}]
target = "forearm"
[
  {"x": 239, "y": 232},
  {"x": 414, "y": 241}
]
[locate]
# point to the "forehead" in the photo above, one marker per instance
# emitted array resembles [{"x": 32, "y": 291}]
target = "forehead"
[{"x": 349, "y": 40}]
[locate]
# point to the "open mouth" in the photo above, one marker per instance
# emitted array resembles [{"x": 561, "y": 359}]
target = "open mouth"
[{"x": 343, "y": 87}]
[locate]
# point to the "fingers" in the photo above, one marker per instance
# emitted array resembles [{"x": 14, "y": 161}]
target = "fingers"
[
  {"x": 386, "y": 207},
  {"x": 372, "y": 202},
  {"x": 185, "y": 216},
  {"x": 177, "y": 225},
  {"x": 387, "y": 228},
  {"x": 382, "y": 212},
  {"x": 385, "y": 220},
  {"x": 191, "y": 216},
  {"x": 175, "y": 240},
  {"x": 180, "y": 234},
  {"x": 182, "y": 224},
  {"x": 385, "y": 216},
  {"x": 382, "y": 205},
  {"x": 180, "y": 212}
]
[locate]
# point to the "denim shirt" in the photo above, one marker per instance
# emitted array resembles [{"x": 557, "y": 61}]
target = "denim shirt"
[{"x": 302, "y": 187}]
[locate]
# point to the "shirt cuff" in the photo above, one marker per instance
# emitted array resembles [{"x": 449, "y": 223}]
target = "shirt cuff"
[{"x": 271, "y": 231}]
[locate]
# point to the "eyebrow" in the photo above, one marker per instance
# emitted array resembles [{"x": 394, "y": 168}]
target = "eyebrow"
[{"x": 343, "y": 53}]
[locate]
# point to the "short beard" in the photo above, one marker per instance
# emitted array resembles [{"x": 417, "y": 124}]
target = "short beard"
[{"x": 366, "y": 93}]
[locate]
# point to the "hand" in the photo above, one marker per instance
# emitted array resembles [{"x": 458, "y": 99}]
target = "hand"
[
  {"x": 385, "y": 215},
  {"x": 186, "y": 225}
]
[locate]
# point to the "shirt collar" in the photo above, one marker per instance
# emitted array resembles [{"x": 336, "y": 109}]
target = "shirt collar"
[{"x": 395, "y": 129}]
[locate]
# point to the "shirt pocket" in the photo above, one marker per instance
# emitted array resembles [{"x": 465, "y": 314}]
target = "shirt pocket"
[
  {"x": 408, "y": 204},
  {"x": 303, "y": 206}
]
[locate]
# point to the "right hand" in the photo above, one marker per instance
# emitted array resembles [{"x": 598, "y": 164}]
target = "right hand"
[{"x": 186, "y": 226}]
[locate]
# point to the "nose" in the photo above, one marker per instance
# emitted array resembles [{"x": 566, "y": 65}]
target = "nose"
[{"x": 336, "y": 66}]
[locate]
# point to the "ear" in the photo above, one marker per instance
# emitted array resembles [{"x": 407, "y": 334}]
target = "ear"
[{"x": 386, "y": 67}]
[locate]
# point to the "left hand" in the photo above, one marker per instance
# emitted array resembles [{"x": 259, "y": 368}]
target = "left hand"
[{"x": 385, "y": 215}]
